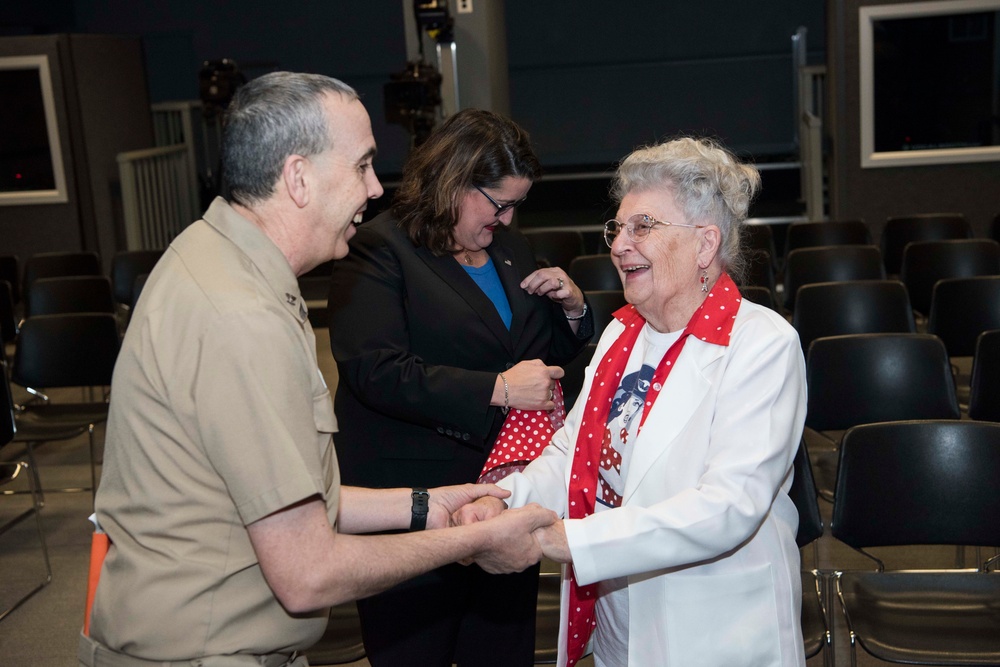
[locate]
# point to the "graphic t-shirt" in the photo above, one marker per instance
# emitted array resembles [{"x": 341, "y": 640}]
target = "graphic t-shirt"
[{"x": 627, "y": 407}]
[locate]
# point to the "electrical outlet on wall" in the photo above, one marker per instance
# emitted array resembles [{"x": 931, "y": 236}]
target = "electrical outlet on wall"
[{"x": 464, "y": 6}]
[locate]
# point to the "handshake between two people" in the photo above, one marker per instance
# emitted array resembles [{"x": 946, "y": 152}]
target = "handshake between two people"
[{"x": 514, "y": 539}]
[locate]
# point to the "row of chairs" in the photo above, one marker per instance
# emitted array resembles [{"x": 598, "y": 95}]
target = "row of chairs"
[
  {"x": 55, "y": 282},
  {"x": 65, "y": 334},
  {"x": 558, "y": 247},
  {"x": 869, "y": 378},
  {"x": 897, "y": 232},
  {"x": 923, "y": 264},
  {"x": 961, "y": 309}
]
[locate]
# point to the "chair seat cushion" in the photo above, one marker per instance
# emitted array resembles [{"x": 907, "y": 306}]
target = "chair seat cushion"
[
  {"x": 940, "y": 618},
  {"x": 68, "y": 413}
]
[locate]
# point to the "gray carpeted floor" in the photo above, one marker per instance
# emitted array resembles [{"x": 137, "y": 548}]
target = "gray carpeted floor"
[{"x": 43, "y": 631}]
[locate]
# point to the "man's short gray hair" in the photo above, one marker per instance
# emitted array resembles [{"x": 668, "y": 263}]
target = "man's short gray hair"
[
  {"x": 708, "y": 183},
  {"x": 271, "y": 117}
]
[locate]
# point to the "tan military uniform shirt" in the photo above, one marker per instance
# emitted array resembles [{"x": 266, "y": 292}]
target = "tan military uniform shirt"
[{"x": 219, "y": 417}]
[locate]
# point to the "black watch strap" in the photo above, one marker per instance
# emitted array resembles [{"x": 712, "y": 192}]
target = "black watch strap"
[{"x": 418, "y": 509}]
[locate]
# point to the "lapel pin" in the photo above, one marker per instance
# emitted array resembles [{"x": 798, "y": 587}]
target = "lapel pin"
[{"x": 507, "y": 262}]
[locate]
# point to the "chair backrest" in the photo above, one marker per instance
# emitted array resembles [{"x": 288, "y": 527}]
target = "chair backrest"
[
  {"x": 926, "y": 262},
  {"x": 760, "y": 295},
  {"x": 69, "y": 350},
  {"x": 903, "y": 229},
  {"x": 963, "y": 308},
  {"x": 868, "y": 378},
  {"x": 73, "y": 294},
  {"x": 555, "y": 247},
  {"x": 851, "y": 307},
  {"x": 918, "y": 482},
  {"x": 126, "y": 266},
  {"x": 572, "y": 381},
  {"x": 827, "y": 232},
  {"x": 8, "y": 320},
  {"x": 10, "y": 270},
  {"x": 759, "y": 270},
  {"x": 984, "y": 396},
  {"x": 8, "y": 426},
  {"x": 140, "y": 282},
  {"x": 603, "y": 304},
  {"x": 58, "y": 264},
  {"x": 760, "y": 238},
  {"x": 823, "y": 264},
  {"x": 594, "y": 272},
  {"x": 803, "y": 493}
]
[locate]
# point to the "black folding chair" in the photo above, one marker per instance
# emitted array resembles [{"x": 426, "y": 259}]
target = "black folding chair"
[
  {"x": 870, "y": 378},
  {"x": 851, "y": 307},
  {"x": 71, "y": 350},
  {"x": 15, "y": 473},
  {"x": 816, "y": 633},
  {"x": 902, "y": 229},
  {"x": 833, "y": 263},
  {"x": 920, "y": 483}
]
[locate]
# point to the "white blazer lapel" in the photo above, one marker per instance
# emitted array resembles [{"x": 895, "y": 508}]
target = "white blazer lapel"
[{"x": 685, "y": 388}]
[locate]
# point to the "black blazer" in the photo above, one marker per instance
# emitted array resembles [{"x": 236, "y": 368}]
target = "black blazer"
[{"x": 418, "y": 347}]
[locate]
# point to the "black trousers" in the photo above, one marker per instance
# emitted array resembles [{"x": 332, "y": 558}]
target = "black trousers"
[{"x": 455, "y": 614}]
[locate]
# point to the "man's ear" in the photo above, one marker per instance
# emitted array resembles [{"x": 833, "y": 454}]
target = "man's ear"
[{"x": 295, "y": 176}]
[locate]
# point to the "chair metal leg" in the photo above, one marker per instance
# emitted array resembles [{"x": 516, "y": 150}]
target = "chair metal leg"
[
  {"x": 826, "y": 586},
  {"x": 36, "y": 510},
  {"x": 93, "y": 465},
  {"x": 36, "y": 481}
]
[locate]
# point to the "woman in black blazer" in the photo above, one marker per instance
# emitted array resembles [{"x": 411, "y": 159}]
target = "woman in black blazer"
[{"x": 439, "y": 320}]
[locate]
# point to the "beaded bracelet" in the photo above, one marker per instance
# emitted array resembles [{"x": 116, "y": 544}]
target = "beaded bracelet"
[
  {"x": 580, "y": 316},
  {"x": 506, "y": 395}
]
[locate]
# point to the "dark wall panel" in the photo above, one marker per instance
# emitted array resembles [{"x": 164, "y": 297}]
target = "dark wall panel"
[
  {"x": 590, "y": 79},
  {"x": 596, "y": 115},
  {"x": 593, "y": 80}
]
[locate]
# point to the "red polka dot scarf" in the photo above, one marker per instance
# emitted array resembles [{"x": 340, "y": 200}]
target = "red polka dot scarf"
[
  {"x": 713, "y": 323},
  {"x": 523, "y": 436}
]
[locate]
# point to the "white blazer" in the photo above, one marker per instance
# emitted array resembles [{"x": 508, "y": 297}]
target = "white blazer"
[{"x": 706, "y": 531}]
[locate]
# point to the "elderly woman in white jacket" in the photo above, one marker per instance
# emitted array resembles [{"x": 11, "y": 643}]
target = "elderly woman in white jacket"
[{"x": 677, "y": 531}]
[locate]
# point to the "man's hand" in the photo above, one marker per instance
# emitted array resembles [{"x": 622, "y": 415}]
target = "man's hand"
[
  {"x": 444, "y": 500},
  {"x": 484, "y": 508},
  {"x": 512, "y": 546}
]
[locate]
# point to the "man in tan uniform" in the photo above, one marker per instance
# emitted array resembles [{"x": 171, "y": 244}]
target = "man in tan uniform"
[{"x": 231, "y": 534}]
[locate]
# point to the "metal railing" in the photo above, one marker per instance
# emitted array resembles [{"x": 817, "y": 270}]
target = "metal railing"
[{"x": 159, "y": 195}]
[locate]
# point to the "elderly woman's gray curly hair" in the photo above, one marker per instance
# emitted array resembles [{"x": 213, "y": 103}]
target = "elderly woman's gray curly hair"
[{"x": 709, "y": 184}]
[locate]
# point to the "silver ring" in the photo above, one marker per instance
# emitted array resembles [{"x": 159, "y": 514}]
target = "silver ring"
[
  {"x": 560, "y": 283},
  {"x": 552, "y": 394}
]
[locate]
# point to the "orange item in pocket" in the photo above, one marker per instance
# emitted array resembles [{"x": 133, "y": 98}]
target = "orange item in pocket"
[{"x": 99, "y": 545}]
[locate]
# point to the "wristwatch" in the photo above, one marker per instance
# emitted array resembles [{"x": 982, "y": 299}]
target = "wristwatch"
[{"x": 418, "y": 510}]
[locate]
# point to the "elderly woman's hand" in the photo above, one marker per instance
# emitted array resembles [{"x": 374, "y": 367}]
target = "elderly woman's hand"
[
  {"x": 556, "y": 284},
  {"x": 552, "y": 540}
]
